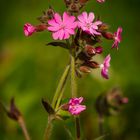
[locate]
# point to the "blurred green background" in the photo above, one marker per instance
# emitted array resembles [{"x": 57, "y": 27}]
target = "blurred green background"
[{"x": 29, "y": 70}]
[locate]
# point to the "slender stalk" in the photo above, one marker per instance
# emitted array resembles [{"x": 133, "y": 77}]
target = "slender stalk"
[
  {"x": 48, "y": 129},
  {"x": 77, "y": 125},
  {"x": 74, "y": 89},
  {"x": 73, "y": 77},
  {"x": 101, "y": 121},
  {"x": 23, "y": 127},
  {"x": 60, "y": 86}
]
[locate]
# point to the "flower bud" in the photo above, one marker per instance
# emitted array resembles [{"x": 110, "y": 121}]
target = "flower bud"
[
  {"x": 85, "y": 69},
  {"x": 47, "y": 15},
  {"x": 108, "y": 35},
  {"x": 90, "y": 50},
  {"x": 13, "y": 113},
  {"x": 84, "y": 56},
  {"x": 99, "y": 50},
  {"x": 65, "y": 107},
  {"x": 48, "y": 107},
  {"x": 103, "y": 27},
  {"x": 92, "y": 64}
]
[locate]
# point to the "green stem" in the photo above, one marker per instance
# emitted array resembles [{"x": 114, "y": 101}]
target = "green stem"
[
  {"x": 60, "y": 86},
  {"x": 48, "y": 129},
  {"x": 101, "y": 121},
  {"x": 73, "y": 77}
]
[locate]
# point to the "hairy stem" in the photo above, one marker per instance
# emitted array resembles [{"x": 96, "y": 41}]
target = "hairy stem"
[
  {"x": 48, "y": 129},
  {"x": 23, "y": 127}
]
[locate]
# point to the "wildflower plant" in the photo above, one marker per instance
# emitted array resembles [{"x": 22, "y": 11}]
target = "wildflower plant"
[{"x": 81, "y": 34}]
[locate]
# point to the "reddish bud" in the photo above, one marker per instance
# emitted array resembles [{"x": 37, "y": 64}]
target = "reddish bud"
[
  {"x": 103, "y": 27},
  {"x": 92, "y": 64},
  {"x": 90, "y": 50},
  {"x": 108, "y": 35},
  {"x": 65, "y": 107},
  {"x": 84, "y": 56},
  {"x": 85, "y": 69}
]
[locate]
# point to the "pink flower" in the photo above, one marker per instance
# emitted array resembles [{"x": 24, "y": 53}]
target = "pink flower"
[
  {"x": 29, "y": 29},
  {"x": 86, "y": 23},
  {"x": 104, "y": 67},
  {"x": 117, "y": 38},
  {"x": 62, "y": 28},
  {"x": 100, "y": 1},
  {"x": 74, "y": 106}
]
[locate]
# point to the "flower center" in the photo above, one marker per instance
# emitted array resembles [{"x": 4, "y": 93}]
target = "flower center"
[
  {"x": 101, "y": 66},
  {"x": 88, "y": 25},
  {"x": 62, "y": 26}
]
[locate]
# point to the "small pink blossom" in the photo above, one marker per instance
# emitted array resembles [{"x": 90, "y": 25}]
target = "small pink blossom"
[
  {"x": 62, "y": 28},
  {"x": 104, "y": 67},
  {"x": 86, "y": 23},
  {"x": 29, "y": 29},
  {"x": 117, "y": 38},
  {"x": 100, "y": 1},
  {"x": 74, "y": 106}
]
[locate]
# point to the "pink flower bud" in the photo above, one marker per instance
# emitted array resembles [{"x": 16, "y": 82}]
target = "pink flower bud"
[
  {"x": 108, "y": 35},
  {"x": 99, "y": 50},
  {"x": 29, "y": 29}
]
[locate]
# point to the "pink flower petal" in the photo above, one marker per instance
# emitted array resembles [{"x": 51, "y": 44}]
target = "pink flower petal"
[
  {"x": 91, "y": 17},
  {"x": 57, "y": 18}
]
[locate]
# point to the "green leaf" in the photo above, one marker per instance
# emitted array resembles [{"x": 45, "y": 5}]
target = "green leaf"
[{"x": 60, "y": 44}]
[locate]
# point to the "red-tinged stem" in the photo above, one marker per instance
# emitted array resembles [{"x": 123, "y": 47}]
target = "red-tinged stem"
[{"x": 23, "y": 127}]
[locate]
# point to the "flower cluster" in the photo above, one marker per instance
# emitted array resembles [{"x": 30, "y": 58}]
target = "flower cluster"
[{"x": 83, "y": 34}]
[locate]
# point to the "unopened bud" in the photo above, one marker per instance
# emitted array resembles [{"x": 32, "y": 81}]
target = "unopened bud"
[
  {"x": 90, "y": 50},
  {"x": 84, "y": 56},
  {"x": 65, "y": 107},
  {"x": 48, "y": 107},
  {"x": 99, "y": 50},
  {"x": 103, "y": 27},
  {"x": 85, "y": 69},
  {"x": 47, "y": 15},
  {"x": 108, "y": 35},
  {"x": 92, "y": 64},
  {"x": 13, "y": 113}
]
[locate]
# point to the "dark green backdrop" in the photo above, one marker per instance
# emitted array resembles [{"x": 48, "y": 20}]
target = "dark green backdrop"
[{"x": 29, "y": 70}]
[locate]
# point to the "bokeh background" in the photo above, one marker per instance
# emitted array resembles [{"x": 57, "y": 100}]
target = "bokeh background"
[{"x": 29, "y": 70}]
